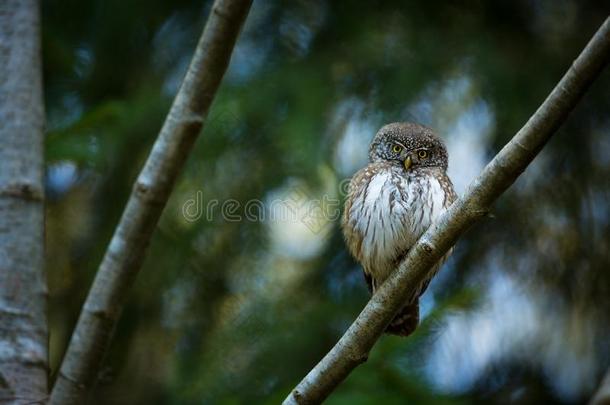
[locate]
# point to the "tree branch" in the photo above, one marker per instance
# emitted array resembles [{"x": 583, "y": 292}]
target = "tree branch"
[
  {"x": 602, "y": 395},
  {"x": 126, "y": 251},
  {"x": 354, "y": 346},
  {"x": 23, "y": 290}
]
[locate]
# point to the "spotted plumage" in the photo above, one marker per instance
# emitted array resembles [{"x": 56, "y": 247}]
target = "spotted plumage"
[{"x": 392, "y": 201}]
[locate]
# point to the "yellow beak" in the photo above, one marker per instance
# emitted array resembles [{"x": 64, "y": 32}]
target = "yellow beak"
[{"x": 408, "y": 162}]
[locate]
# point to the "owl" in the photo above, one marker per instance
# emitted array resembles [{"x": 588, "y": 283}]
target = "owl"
[{"x": 392, "y": 201}]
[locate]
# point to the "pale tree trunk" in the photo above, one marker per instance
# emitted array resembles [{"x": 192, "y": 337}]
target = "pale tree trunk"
[
  {"x": 126, "y": 251},
  {"x": 354, "y": 346},
  {"x": 23, "y": 293}
]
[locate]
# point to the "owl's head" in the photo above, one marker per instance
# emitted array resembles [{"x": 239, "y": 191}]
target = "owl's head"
[{"x": 408, "y": 145}]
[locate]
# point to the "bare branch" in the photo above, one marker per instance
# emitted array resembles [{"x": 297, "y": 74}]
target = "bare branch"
[
  {"x": 354, "y": 346},
  {"x": 126, "y": 251},
  {"x": 23, "y": 291}
]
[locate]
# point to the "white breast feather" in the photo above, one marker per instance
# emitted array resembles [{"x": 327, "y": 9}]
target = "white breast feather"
[
  {"x": 392, "y": 225},
  {"x": 437, "y": 197}
]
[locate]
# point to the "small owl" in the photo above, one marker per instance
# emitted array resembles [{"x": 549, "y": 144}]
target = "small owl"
[{"x": 392, "y": 201}]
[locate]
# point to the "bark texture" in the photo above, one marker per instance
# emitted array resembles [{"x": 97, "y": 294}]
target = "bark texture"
[
  {"x": 126, "y": 251},
  {"x": 353, "y": 347},
  {"x": 23, "y": 293}
]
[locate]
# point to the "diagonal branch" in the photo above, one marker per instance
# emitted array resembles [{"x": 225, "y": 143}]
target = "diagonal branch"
[
  {"x": 353, "y": 347},
  {"x": 126, "y": 251},
  {"x": 602, "y": 395}
]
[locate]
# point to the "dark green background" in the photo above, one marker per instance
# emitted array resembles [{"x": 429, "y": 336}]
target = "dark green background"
[{"x": 239, "y": 311}]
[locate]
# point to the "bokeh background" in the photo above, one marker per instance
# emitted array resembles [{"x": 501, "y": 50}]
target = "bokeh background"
[{"x": 236, "y": 309}]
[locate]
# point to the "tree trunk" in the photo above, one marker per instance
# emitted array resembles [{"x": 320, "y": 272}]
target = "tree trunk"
[{"x": 23, "y": 293}]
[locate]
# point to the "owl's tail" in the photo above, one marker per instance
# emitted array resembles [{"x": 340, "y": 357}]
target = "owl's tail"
[{"x": 406, "y": 321}]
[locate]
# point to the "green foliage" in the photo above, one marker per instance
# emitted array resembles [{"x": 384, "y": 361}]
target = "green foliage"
[{"x": 225, "y": 312}]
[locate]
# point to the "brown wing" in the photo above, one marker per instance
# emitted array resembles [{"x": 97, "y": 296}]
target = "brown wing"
[
  {"x": 353, "y": 238},
  {"x": 447, "y": 185}
]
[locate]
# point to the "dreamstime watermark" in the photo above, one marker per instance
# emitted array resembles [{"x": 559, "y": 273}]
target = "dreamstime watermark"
[{"x": 298, "y": 206}]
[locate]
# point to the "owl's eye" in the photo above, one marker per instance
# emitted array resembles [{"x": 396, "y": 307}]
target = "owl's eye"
[
  {"x": 396, "y": 148},
  {"x": 422, "y": 154}
]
